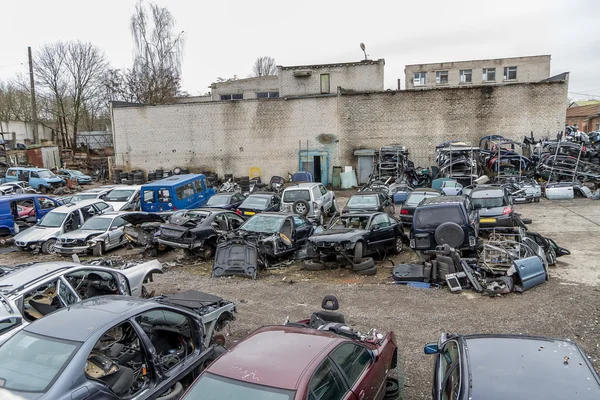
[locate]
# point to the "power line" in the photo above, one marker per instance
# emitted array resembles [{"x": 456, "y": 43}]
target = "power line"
[
  {"x": 11, "y": 65},
  {"x": 586, "y": 94}
]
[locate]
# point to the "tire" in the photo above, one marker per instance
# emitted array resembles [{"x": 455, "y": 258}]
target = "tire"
[
  {"x": 208, "y": 253},
  {"x": 398, "y": 245},
  {"x": 536, "y": 200},
  {"x": 48, "y": 246},
  {"x": 174, "y": 393},
  {"x": 358, "y": 252},
  {"x": 301, "y": 207},
  {"x": 176, "y": 171},
  {"x": 368, "y": 272},
  {"x": 313, "y": 266},
  {"x": 449, "y": 233},
  {"x": 364, "y": 264},
  {"x": 98, "y": 250},
  {"x": 392, "y": 389}
]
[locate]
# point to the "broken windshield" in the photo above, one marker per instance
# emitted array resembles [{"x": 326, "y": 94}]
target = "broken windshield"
[{"x": 263, "y": 224}]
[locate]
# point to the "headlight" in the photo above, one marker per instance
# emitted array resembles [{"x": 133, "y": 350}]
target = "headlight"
[{"x": 92, "y": 243}]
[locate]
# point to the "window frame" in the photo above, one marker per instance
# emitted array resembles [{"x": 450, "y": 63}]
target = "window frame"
[
  {"x": 336, "y": 370},
  {"x": 181, "y": 189},
  {"x": 382, "y": 224},
  {"x": 485, "y": 74},
  {"x": 508, "y": 71},
  {"x": 323, "y": 189},
  {"x": 267, "y": 95},
  {"x": 158, "y": 199},
  {"x": 422, "y": 80},
  {"x": 154, "y": 196},
  {"x": 345, "y": 377},
  {"x": 449, "y": 368},
  {"x": 325, "y": 78},
  {"x": 463, "y": 74},
  {"x": 439, "y": 75},
  {"x": 232, "y": 96}
]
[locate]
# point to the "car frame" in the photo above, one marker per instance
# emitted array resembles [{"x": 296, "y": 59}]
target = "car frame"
[
  {"x": 98, "y": 241},
  {"x": 321, "y": 203},
  {"x": 81, "y": 178},
  {"x": 131, "y": 203}
]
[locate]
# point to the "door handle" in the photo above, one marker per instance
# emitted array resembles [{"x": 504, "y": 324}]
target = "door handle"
[{"x": 361, "y": 395}]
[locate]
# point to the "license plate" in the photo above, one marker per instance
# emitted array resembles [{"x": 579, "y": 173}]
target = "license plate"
[
  {"x": 487, "y": 220},
  {"x": 249, "y": 213}
]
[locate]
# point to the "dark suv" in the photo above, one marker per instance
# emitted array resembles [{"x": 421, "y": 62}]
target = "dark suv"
[{"x": 447, "y": 220}]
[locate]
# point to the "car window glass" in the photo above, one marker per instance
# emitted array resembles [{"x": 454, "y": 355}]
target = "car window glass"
[
  {"x": 9, "y": 323},
  {"x": 221, "y": 221},
  {"x": 326, "y": 383},
  {"x": 235, "y": 221},
  {"x": 352, "y": 359},
  {"x": 432, "y": 217},
  {"x": 148, "y": 196},
  {"x": 88, "y": 212},
  {"x": 323, "y": 190},
  {"x": 197, "y": 186},
  {"x": 11, "y": 172},
  {"x": 299, "y": 221},
  {"x": 316, "y": 192},
  {"x": 170, "y": 335},
  {"x": 380, "y": 221},
  {"x": 290, "y": 196},
  {"x": 101, "y": 206},
  {"x": 34, "y": 175},
  {"x": 45, "y": 203},
  {"x": 164, "y": 196},
  {"x": 184, "y": 191}
]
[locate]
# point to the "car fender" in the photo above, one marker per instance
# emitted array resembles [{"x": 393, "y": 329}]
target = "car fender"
[{"x": 138, "y": 274}]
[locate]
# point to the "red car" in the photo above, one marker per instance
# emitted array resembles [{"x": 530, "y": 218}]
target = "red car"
[
  {"x": 316, "y": 359},
  {"x": 24, "y": 211}
]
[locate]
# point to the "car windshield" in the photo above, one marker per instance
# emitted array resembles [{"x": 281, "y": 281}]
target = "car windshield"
[
  {"x": 489, "y": 202},
  {"x": 351, "y": 222},
  {"x": 119, "y": 195},
  {"x": 96, "y": 224},
  {"x": 194, "y": 215},
  {"x": 35, "y": 361},
  {"x": 76, "y": 173},
  {"x": 431, "y": 217},
  {"x": 255, "y": 202},
  {"x": 83, "y": 196},
  {"x": 45, "y": 173},
  {"x": 290, "y": 196},
  {"x": 362, "y": 201},
  {"x": 218, "y": 200},
  {"x": 415, "y": 198},
  {"x": 213, "y": 387},
  {"x": 263, "y": 224},
  {"x": 52, "y": 220}
]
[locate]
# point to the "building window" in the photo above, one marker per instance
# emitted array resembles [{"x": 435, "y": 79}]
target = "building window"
[
  {"x": 420, "y": 79},
  {"x": 324, "y": 83},
  {"x": 489, "y": 75},
  {"x": 441, "y": 77},
  {"x": 597, "y": 128},
  {"x": 238, "y": 96},
  {"x": 466, "y": 75},
  {"x": 266, "y": 95},
  {"x": 510, "y": 73}
]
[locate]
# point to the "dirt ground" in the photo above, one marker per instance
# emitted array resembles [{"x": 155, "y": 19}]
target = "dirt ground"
[{"x": 567, "y": 306}]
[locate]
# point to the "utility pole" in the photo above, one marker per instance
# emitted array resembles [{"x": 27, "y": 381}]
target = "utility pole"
[{"x": 36, "y": 137}]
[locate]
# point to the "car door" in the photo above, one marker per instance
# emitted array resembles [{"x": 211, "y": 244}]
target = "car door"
[
  {"x": 235, "y": 221},
  {"x": 115, "y": 232},
  {"x": 447, "y": 378},
  {"x": 302, "y": 228},
  {"x": 327, "y": 197},
  {"x": 327, "y": 383},
  {"x": 381, "y": 232},
  {"x": 365, "y": 377},
  {"x": 72, "y": 222}
]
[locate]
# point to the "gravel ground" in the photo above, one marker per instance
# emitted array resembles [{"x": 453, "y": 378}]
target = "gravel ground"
[{"x": 567, "y": 306}]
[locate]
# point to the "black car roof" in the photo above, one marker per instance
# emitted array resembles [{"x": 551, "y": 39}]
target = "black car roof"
[
  {"x": 483, "y": 192},
  {"x": 442, "y": 200},
  {"x": 524, "y": 367},
  {"x": 261, "y": 194},
  {"x": 367, "y": 193},
  {"x": 361, "y": 214},
  {"x": 81, "y": 320}
]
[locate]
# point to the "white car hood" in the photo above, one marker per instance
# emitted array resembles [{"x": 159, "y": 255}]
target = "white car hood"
[
  {"x": 117, "y": 205},
  {"x": 37, "y": 234}
]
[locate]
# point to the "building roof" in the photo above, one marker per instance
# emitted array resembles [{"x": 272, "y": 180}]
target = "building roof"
[
  {"x": 583, "y": 111},
  {"x": 244, "y": 80},
  {"x": 346, "y": 64},
  {"x": 557, "y": 78},
  {"x": 584, "y": 103},
  {"x": 276, "y": 356}
]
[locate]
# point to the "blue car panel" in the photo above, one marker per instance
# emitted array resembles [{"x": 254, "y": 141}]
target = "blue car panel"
[
  {"x": 176, "y": 193},
  {"x": 7, "y": 210},
  {"x": 38, "y": 178}
]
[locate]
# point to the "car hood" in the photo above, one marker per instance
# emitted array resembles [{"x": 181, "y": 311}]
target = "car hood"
[
  {"x": 37, "y": 234},
  {"x": 335, "y": 235},
  {"x": 117, "y": 205},
  {"x": 81, "y": 234},
  {"x": 140, "y": 218}
]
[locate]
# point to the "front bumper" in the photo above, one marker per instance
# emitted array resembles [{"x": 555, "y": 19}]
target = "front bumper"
[{"x": 71, "y": 250}]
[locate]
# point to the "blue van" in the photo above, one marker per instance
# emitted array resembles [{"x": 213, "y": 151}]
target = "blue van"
[
  {"x": 20, "y": 211},
  {"x": 176, "y": 193},
  {"x": 41, "y": 179}
]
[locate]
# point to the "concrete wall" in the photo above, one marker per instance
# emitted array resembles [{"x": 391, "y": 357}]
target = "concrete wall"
[
  {"x": 248, "y": 87},
  {"x": 529, "y": 69},
  {"x": 24, "y": 131},
  {"x": 365, "y": 76},
  {"x": 232, "y": 137}
]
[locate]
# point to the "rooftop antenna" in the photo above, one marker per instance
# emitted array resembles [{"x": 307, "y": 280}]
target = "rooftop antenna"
[{"x": 362, "y": 47}]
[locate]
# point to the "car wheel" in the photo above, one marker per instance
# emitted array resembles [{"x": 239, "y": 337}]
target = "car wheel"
[
  {"x": 207, "y": 253},
  {"x": 313, "y": 266},
  {"x": 358, "y": 252},
  {"x": 301, "y": 207},
  {"x": 368, "y": 271},
  {"x": 48, "y": 246},
  {"x": 392, "y": 389},
  {"x": 173, "y": 393},
  {"x": 98, "y": 250},
  {"x": 536, "y": 200},
  {"x": 364, "y": 264},
  {"x": 398, "y": 245}
]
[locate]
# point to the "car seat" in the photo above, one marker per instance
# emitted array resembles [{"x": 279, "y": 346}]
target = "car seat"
[{"x": 329, "y": 305}]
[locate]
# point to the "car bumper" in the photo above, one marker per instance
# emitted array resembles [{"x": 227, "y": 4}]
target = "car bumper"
[
  {"x": 494, "y": 222},
  {"x": 71, "y": 250},
  {"x": 199, "y": 244},
  {"x": 406, "y": 219}
]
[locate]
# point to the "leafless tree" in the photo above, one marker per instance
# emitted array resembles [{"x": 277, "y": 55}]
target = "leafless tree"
[
  {"x": 15, "y": 104},
  {"x": 264, "y": 66}
]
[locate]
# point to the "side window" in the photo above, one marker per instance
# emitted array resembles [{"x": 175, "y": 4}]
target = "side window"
[
  {"x": 299, "y": 221},
  {"x": 352, "y": 359},
  {"x": 326, "y": 383},
  {"x": 101, "y": 206},
  {"x": 73, "y": 221},
  {"x": 239, "y": 197},
  {"x": 197, "y": 186},
  {"x": 451, "y": 371},
  {"x": 164, "y": 196},
  {"x": 235, "y": 221},
  {"x": 170, "y": 335},
  {"x": 149, "y": 196},
  {"x": 47, "y": 298},
  {"x": 221, "y": 221},
  {"x": 184, "y": 191},
  {"x": 316, "y": 192},
  {"x": 33, "y": 174},
  {"x": 45, "y": 203},
  {"x": 118, "y": 222},
  {"x": 380, "y": 221},
  {"x": 88, "y": 212},
  {"x": 391, "y": 221},
  {"x": 323, "y": 190},
  {"x": 91, "y": 283},
  {"x": 11, "y": 172}
]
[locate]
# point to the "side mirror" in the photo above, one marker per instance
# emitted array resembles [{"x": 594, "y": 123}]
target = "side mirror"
[
  {"x": 374, "y": 228},
  {"x": 114, "y": 228},
  {"x": 431, "y": 348},
  {"x": 477, "y": 207}
]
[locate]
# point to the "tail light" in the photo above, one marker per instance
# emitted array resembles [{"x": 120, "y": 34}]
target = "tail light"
[
  {"x": 507, "y": 210},
  {"x": 404, "y": 212},
  {"x": 238, "y": 212},
  {"x": 174, "y": 208}
]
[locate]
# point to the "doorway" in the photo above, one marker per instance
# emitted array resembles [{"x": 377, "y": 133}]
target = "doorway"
[{"x": 317, "y": 163}]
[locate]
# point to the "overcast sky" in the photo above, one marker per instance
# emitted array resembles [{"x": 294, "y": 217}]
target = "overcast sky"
[{"x": 223, "y": 38}]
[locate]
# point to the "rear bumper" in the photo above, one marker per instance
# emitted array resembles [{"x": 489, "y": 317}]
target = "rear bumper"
[
  {"x": 500, "y": 221},
  {"x": 406, "y": 219},
  {"x": 199, "y": 244}
]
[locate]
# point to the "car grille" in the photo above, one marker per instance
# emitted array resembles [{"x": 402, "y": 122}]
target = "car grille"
[{"x": 71, "y": 242}]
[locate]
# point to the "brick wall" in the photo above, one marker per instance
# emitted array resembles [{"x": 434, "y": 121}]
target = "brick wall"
[{"x": 232, "y": 137}]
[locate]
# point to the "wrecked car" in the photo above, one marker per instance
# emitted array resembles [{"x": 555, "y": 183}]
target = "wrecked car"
[
  {"x": 11, "y": 220},
  {"x": 263, "y": 239},
  {"x": 370, "y": 201},
  {"x": 317, "y": 358},
  {"x": 463, "y": 368},
  {"x": 357, "y": 235},
  {"x": 226, "y": 201},
  {"x": 494, "y": 204},
  {"x": 144, "y": 230},
  {"x": 259, "y": 202},
  {"x": 98, "y": 234},
  {"x": 196, "y": 231},
  {"x": 114, "y": 347},
  {"x": 413, "y": 199},
  {"x": 40, "y": 288}
]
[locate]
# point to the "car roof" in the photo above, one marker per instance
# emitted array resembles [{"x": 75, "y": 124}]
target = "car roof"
[
  {"x": 81, "y": 204},
  {"x": 17, "y": 197},
  {"x": 426, "y": 190},
  {"x": 525, "y": 367},
  {"x": 303, "y": 185},
  {"x": 442, "y": 200},
  {"x": 21, "y": 275},
  {"x": 134, "y": 187},
  {"x": 173, "y": 180},
  {"x": 30, "y": 168},
  {"x": 261, "y": 195},
  {"x": 279, "y": 354},
  {"x": 81, "y": 320}
]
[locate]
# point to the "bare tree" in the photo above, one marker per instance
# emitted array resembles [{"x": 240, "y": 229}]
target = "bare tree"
[
  {"x": 15, "y": 104},
  {"x": 264, "y": 66}
]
